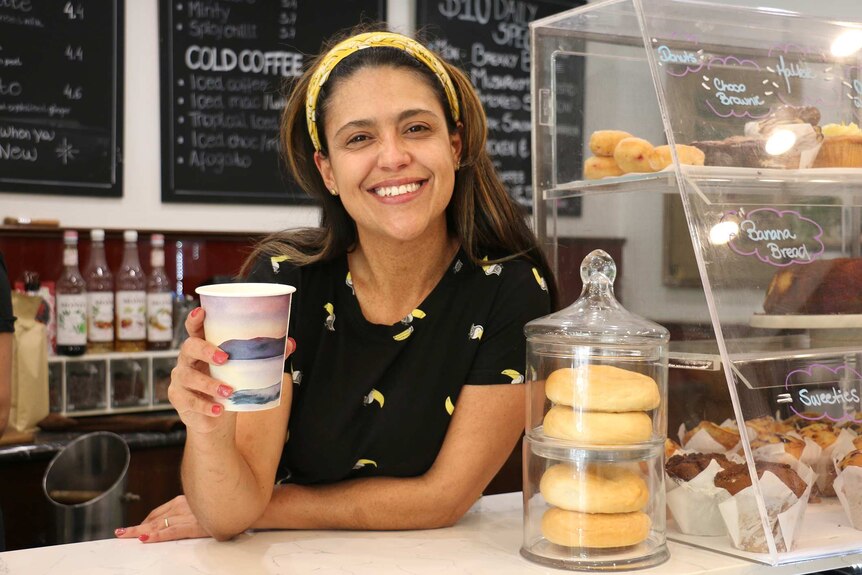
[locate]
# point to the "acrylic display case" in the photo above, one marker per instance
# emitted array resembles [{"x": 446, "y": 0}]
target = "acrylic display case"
[
  {"x": 736, "y": 192},
  {"x": 101, "y": 384}
]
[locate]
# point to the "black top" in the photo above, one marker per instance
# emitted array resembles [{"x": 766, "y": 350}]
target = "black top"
[
  {"x": 7, "y": 320},
  {"x": 373, "y": 399}
]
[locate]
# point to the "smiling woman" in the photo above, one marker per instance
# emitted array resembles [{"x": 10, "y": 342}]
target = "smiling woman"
[{"x": 403, "y": 395}]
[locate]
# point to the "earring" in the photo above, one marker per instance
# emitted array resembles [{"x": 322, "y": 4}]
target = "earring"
[
  {"x": 333, "y": 191},
  {"x": 457, "y": 165}
]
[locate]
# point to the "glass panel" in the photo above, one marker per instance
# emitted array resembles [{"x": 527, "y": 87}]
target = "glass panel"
[
  {"x": 129, "y": 378},
  {"x": 85, "y": 385}
]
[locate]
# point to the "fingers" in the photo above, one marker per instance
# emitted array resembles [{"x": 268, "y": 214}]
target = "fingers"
[
  {"x": 289, "y": 347},
  {"x": 168, "y": 522},
  {"x": 195, "y": 322},
  {"x": 196, "y": 349}
]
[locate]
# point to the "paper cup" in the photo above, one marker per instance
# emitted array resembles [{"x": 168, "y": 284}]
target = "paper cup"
[{"x": 249, "y": 322}]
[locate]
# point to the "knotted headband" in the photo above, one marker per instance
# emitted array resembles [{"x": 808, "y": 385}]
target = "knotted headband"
[{"x": 373, "y": 40}]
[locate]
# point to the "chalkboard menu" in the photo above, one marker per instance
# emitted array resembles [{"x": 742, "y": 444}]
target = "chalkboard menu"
[
  {"x": 61, "y": 95},
  {"x": 223, "y": 67},
  {"x": 490, "y": 40}
]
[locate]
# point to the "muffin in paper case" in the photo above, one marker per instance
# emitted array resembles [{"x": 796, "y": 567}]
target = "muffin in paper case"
[
  {"x": 702, "y": 441},
  {"x": 784, "y": 512},
  {"x": 848, "y": 483},
  {"x": 694, "y": 503}
]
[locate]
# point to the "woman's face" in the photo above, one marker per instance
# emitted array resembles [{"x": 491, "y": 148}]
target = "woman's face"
[{"x": 391, "y": 156}]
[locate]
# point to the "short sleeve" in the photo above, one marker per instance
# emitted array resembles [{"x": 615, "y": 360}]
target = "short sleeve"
[
  {"x": 522, "y": 296},
  {"x": 7, "y": 320}
]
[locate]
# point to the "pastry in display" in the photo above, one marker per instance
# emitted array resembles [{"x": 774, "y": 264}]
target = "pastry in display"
[
  {"x": 852, "y": 459},
  {"x": 800, "y": 420},
  {"x": 604, "y": 142},
  {"x": 767, "y": 424},
  {"x": 602, "y": 388},
  {"x": 823, "y": 434},
  {"x": 594, "y": 530},
  {"x": 633, "y": 155},
  {"x": 820, "y": 287},
  {"x": 687, "y": 467},
  {"x": 688, "y": 155},
  {"x": 726, "y": 437},
  {"x": 736, "y": 477},
  {"x": 788, "y": 138},
  {"x": 670, "y": 448},
  {"x": 793, "y": 446},
  {"x": 841, "y": 147},
  {"x": 595, "y": 427},
  {"x": 598, "y": 167},
  {"x": 595, "y": 488}
]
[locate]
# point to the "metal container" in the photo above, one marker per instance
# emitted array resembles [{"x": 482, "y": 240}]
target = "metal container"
[
  {"x": 86, "y": 484},
  {"x": 594, "y": 496}
]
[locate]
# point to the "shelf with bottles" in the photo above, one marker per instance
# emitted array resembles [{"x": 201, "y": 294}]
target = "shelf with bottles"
[{"x": 110, "y": 383}]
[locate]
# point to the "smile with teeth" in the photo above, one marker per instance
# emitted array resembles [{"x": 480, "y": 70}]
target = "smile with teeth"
[{"x": 397, "y": 190}]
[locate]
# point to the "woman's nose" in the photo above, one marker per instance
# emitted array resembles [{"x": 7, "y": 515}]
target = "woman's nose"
[{"x": 393, "y": 153}]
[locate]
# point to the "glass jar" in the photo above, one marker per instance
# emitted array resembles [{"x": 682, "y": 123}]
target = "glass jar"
[{"x": 594, "y": 495}]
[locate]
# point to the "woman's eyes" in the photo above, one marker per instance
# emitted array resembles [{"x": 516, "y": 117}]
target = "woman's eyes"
[
  {"x": 416, "y": 128},
  {"x": 412, "y": 129},
  {"x": 357, "y": 139}
]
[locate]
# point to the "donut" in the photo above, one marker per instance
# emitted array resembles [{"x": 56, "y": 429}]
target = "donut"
[
  {"x": 596, "y": 530},
  {"x": 633, "y": 154},
  {"x": 727, "y": 438},
  {"x": 602, "y": 388},
  {"x": 562, "y": 422},
  {"x": 597, "y": 488},
  {"x": 603, "y": 142},
  {"x": 598, "y": 167},
  {"x": 660, "y": 157}
]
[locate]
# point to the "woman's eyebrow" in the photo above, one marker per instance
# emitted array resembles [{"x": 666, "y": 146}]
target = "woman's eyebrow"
[{"x": 367, "y": 123}]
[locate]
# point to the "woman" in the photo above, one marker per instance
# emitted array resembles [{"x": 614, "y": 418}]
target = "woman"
[{"x": 398, "y": 405}]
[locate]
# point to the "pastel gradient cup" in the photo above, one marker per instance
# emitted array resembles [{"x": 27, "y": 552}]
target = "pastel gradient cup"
[{"x": 249, "y": 322}]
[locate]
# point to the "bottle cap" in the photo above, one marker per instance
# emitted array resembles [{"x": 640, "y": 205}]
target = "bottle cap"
[
  {"x": 70, "y": 237},
  {"x": 97, "y": 235},
  {"x": 157, "y": 240},
  {"x": 130, "y": 236}
]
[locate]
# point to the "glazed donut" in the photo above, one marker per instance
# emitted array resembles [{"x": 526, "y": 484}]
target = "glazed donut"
[
  {"x": 562, "y": 422},
  {"x": 597, "y": 530},
  {"x": 597, "y": 488},
  {"x": 603, "y": 142},
  {"x": 598, "y": 167},
  {"x": 602, "y": 388},
  {"x": 633, "y": 154},
  {"x": 660, "y": 158}
]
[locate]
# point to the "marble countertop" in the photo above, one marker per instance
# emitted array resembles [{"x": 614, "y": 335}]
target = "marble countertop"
[{"x": 486, "y": 541}]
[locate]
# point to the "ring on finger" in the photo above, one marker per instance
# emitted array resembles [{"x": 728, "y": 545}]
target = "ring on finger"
[{"x": 167, "y": 523}]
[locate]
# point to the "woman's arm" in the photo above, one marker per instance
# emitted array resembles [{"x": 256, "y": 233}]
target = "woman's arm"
[{"x": 486, "y": 425}]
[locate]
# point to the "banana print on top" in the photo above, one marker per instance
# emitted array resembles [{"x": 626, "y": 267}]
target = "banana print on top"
[{"x": 377, "y": 400}]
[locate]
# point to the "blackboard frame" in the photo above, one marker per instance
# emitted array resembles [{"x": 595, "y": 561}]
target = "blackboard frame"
[
  {"x": 108, "y": 189},
  {"x": 172, "y": 192},
  {"x": 434, "y": 27}
]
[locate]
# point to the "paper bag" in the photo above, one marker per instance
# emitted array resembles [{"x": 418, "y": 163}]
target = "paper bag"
[{"x": 29, "y": 365}]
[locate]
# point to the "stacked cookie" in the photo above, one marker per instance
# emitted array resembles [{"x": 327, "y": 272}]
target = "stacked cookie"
[{"x": 597, "y": 505}]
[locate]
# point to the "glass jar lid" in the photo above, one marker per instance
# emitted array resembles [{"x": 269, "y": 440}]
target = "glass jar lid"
[{"x": 596, "y": 316}]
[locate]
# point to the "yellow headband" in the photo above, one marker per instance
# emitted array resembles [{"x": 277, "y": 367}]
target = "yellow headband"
[{"x": 373, "y": 40}]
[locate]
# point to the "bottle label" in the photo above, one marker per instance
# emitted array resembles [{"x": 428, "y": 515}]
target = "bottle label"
[
  {"x": 160, "y": 323},
  {"x": 131, "y": 315},
  {"x": 72, "y": 319},
  {"x": 70, "y": 257},
  {"x": 100, "y": 322},
  {"x": 157, "y": 258}
]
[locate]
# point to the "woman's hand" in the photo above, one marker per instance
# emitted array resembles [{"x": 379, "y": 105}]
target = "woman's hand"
[
  {"x": 169, "y": 522},
  {"x": 192, "y": 391}
]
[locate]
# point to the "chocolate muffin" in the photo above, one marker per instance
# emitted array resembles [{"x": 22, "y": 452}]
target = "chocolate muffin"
[
  {"x": 736, "y": 478},
  {"x": 687, "y": 467}
]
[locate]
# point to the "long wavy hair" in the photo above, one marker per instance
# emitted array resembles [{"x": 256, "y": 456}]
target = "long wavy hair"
[{"x": 481, "y": 214}]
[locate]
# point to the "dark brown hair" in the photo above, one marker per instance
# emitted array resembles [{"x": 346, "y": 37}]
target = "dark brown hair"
[{"x": 481, "y": 214}]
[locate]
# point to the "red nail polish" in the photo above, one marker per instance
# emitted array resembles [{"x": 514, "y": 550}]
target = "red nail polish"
[
  {"x": 224, "y": 391},
  {"x": 219, "y": 356},
  {"x": 119, "y": 532},
  {"x": 196, "y": 311},
  {"x": 217, "y": 409},
  {"x": 144, "y": 538},
  {"x": 292, "y": 344}
]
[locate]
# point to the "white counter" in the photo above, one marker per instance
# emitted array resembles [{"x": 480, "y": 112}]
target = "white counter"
[{"x": 486, "y": 540}]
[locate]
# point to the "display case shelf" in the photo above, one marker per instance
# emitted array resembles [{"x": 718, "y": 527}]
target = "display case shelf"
[
  {"x": 110, "y": 383},
  {"x": 761, "y": 314}
]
